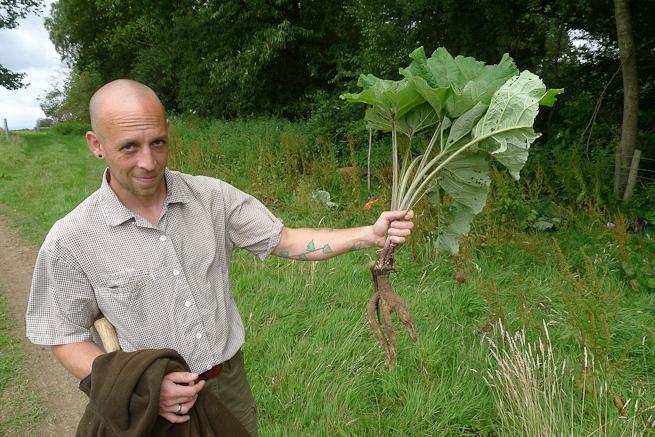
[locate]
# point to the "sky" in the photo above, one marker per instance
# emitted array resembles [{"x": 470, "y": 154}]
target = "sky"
[{"x": 27, "y": 49}]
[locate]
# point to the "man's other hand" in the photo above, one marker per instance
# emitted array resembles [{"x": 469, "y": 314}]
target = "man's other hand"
[
  {"x": 396, "y": 224},
  {"x": 178, "y": 393}
]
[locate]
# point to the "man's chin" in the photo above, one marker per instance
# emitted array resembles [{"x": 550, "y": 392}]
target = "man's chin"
[{"x": 147, "y": 186}]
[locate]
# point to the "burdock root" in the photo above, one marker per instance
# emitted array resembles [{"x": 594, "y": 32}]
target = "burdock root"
[{"x": 383, "y": 303}]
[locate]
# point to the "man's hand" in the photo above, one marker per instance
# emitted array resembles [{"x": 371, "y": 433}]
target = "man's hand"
[
  {"x": 178, "y": 389},
  {"x": 396, "y": 224}
]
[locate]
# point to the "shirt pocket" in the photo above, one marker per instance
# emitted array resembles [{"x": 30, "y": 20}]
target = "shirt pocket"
[
  {"x": 119, "y": 296},
  {"x": 124, "y": 285},
  {"x": 121, "y": 281}
]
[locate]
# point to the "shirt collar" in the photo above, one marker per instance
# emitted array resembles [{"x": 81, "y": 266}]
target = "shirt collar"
[{"x": 116, "y": 213}]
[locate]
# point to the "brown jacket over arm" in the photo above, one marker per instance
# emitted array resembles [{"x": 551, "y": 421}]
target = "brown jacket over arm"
[{"x": 123, "y": 391}]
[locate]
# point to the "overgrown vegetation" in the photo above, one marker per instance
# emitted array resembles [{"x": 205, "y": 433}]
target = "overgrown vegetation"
[{"x": 312, "y": 365}]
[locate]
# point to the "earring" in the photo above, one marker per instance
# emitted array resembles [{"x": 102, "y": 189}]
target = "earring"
[{"x": 100, "y": 155}]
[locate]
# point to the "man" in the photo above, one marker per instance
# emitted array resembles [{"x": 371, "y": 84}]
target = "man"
[{"x": 151, "y": 251}]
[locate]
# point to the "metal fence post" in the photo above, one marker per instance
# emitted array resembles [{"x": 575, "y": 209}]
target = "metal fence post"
[{"x": 6, "y": 130}]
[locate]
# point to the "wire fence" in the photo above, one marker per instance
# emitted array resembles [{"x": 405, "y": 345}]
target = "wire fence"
[
  {"x": 629, "y": 167},
  {"x": 650, "y": 176}
]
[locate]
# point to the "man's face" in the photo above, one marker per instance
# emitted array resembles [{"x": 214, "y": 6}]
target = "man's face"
[{"x": 133, "y": 140}]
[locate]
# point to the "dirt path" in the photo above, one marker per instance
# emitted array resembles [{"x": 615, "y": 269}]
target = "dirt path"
[{"x": 54, "y": 386}]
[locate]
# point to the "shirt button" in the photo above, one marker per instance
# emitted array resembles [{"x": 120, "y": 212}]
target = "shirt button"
[
  {"x": 209, "y": 367},
  {"x": 162, "y": 237},
  {"x": 176, "y": 272},
  {"x": 199, "y": 335},
  {"x": 187, "y": 303}
]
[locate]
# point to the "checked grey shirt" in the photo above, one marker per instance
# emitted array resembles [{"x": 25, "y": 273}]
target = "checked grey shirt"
[{"x": 164, "y": 286}]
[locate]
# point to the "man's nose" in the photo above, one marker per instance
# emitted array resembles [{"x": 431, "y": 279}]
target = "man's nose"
[{"x": 147, "y": 159}]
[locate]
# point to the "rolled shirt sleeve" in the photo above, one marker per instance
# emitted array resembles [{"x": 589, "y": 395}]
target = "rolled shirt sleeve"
[
  {"x": 250, "y": 225},
  {"x": 62, "y": 306}
]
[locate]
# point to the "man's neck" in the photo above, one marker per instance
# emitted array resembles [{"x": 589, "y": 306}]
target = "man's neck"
[{"x": 149, "y": 207}]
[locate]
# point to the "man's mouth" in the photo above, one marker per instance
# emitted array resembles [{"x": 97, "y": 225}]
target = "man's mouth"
[{"x": 146, "y": 179}]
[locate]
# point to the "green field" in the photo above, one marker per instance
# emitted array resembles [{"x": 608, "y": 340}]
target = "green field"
[{"x": 314, "y": 366}]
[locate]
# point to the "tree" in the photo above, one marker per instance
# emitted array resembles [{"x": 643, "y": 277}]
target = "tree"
[
  {"x": 629, "y": 127},
  {"x": 70, "y": 102},
  {"x": 224, "y": 59},
  {"x": 10, "y": 12}
]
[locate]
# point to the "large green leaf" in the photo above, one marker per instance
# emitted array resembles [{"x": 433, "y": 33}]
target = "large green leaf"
[
  {"x": 550, "y": 97},
  {"x": 378, "y": 119},
  {"x": 433, "y": 71},
  {"x": 463, "y": 125},
  {"x": 417, "y": 120},
  {"x": 466, "y": 181},
  {"x": 430, "y": 81},
  {"x": 394, "y": 98},
  {"x": 506, "y": 133},
  {"x": 507, "y": 124},
  {"x": 455, "y": 85},
  {"x": 455, "y": 223},
  {"x": 436, "y": 97},
  {"x": 480, "y": 88}
]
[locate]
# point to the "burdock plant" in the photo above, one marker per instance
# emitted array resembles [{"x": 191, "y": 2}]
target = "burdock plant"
[{"x": 476, "y": 113}]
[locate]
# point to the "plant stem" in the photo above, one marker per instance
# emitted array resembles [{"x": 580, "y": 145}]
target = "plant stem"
[
  {"x": 394, "y": 152},
  {"x": 385, "y": 259},
  {"x": 422, "y": 188},
  {"x": 368, "y": 160}
]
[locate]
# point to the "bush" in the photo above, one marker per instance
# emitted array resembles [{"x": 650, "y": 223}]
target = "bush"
[
  {"x": 71, "y": 128},
  {"x": 43, "y": 123}
]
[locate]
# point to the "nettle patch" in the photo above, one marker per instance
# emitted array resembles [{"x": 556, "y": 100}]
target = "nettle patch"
[{"x": 473, "y": 113}]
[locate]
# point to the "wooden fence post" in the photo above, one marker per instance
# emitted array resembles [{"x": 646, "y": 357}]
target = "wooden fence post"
[
  {"x": 632, "y": 176},
  {"x": 6, "y": 130}
]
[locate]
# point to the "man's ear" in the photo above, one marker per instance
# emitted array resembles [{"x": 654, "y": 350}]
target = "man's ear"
[{"x": 94, "y": 144}]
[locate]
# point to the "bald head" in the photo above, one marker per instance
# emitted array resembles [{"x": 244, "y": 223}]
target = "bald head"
[{"x": 119, "y": 96}]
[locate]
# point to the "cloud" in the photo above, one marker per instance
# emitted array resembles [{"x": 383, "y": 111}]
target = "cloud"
[
  {"x": 27, "y": 46},
  {"x": 27, "y": 49}
]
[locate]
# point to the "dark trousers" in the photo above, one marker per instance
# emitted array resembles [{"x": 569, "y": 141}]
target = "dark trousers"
[{"x": 232, "y": 388}]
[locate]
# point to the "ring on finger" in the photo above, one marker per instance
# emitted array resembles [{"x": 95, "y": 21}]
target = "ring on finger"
[{"x": 179, "y": 409}]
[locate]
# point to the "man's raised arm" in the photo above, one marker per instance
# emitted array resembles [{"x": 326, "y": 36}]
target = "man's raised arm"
[{"x": 319, "y": 244}]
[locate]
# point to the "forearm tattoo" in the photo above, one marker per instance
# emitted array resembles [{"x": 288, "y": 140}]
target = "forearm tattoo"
[{"x": 311, "y": 248}]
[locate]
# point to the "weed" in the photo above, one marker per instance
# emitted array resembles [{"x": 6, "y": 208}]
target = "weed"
[
  {"x": 494, "y": 301},
  {"x": 535, "y": 395},
  {"x": 592, "y": 305}
]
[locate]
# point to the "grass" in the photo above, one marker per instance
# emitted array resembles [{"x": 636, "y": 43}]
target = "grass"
[
  {"x": 313, "y": 364},
  {"x": 535, "y": 392},
  {"x": 42, "y": 177},
  {"x": 21, "y": 410}
]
